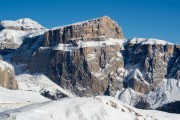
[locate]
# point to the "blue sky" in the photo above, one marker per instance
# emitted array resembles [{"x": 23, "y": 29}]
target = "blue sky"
[{"x": 138, "y": 18}]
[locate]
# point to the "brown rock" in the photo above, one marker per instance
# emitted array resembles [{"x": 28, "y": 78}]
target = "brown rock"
[{"x": 7, "y": 76}]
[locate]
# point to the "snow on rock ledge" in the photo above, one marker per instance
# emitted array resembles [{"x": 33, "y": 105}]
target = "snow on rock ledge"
[{"x": 151, "y": 41}]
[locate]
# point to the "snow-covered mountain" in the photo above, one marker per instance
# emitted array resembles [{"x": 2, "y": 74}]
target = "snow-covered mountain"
[
  {"x": 12, "y": 33},
  {"x": 88, "y": 58}
]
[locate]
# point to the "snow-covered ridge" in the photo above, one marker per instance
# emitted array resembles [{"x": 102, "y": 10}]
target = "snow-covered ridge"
[
  {"x": 151, "y": 41},
  {"x": 25, "y": 23},
  {"x": 13, "y": 32},
  {"x": 83, "y": 22}
]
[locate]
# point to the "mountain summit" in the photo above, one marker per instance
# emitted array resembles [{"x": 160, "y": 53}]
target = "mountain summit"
[{"x": 91, "y": 29}]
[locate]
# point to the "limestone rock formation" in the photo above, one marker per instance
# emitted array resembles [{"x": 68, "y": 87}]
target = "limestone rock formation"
[
  {"x": 83, "y": 57},
  {"x": 155, "y": 61},
  {"x": 7, "y": 76}
]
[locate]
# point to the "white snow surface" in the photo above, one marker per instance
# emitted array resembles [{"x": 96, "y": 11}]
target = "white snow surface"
[
  {"x": 24, "y": 23},
  {"x": 18, "y": 96},
  {"x": 168, "y": 91},
  {"x": 94, "y": 108},
  {"x": 150, "y": 41},
  {"x": 17, "y": 36},
  {"x": 128, "y": 96},
  {"x": 39, "y": 83},
  {"x": 10, "y": 99},
  {"x": 4, "y": 65},
  {"x": 137, "y": 75}
]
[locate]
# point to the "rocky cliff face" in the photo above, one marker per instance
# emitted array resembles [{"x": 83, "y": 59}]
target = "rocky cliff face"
[
  {"x": 83, "y": 58},
  {"x": 92, "y": 58},
  {"x": 154, "y": 59},
  {"x": 152, "y": 68},
  {"x": 7, "y": 76}
]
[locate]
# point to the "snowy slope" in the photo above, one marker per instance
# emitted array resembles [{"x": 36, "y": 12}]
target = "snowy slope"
[
  {"x": 39, "y": 83},
  {"x": 4, "y": 65},
  {"x": 24, "y": 23},
  {"x": 13, "y": 32},
  {"x": 168, "y": 91},
  {"x": 16, "y": 98},
  {"x": 160, "y": 115},
  {"x": 13, "y": 35},
  {"x": 94, "y": 108},
  {"x": 151, "y": 41}
]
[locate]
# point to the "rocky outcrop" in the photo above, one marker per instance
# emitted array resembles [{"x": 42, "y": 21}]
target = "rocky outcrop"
[
  {"x": 7, "y": 76},
  {"x": 1, "y": 57},
  {"x": 173, "y": 69},
  {"x": 85, "y": 31},
  {"x": 155, "y": 61},
  {"x": 83, "y": 58}
]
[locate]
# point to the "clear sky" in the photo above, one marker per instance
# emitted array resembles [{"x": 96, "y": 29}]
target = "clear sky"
[{"x": 138, "y": 18}]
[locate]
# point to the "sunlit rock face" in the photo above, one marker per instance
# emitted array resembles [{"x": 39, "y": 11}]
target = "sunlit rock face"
[
  {"x": 149, "y": 62},
  {"x": 84, "y": 57},
  {"x": 7, "y": 76}
]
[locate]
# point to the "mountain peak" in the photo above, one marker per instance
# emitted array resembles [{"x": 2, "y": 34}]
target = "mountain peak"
[
  {"x": 90, "y": 21},
  {"x": 93, "y": 28},
  {"x": 25, "y": 20}
]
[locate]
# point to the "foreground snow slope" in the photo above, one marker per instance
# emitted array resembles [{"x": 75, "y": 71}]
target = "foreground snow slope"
[
  {"x": 94, "y": 108},
  {"x": 15, "y": 98},
  {"x": 26, "y": 105},
  {"x": 39, "y": 83}
]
